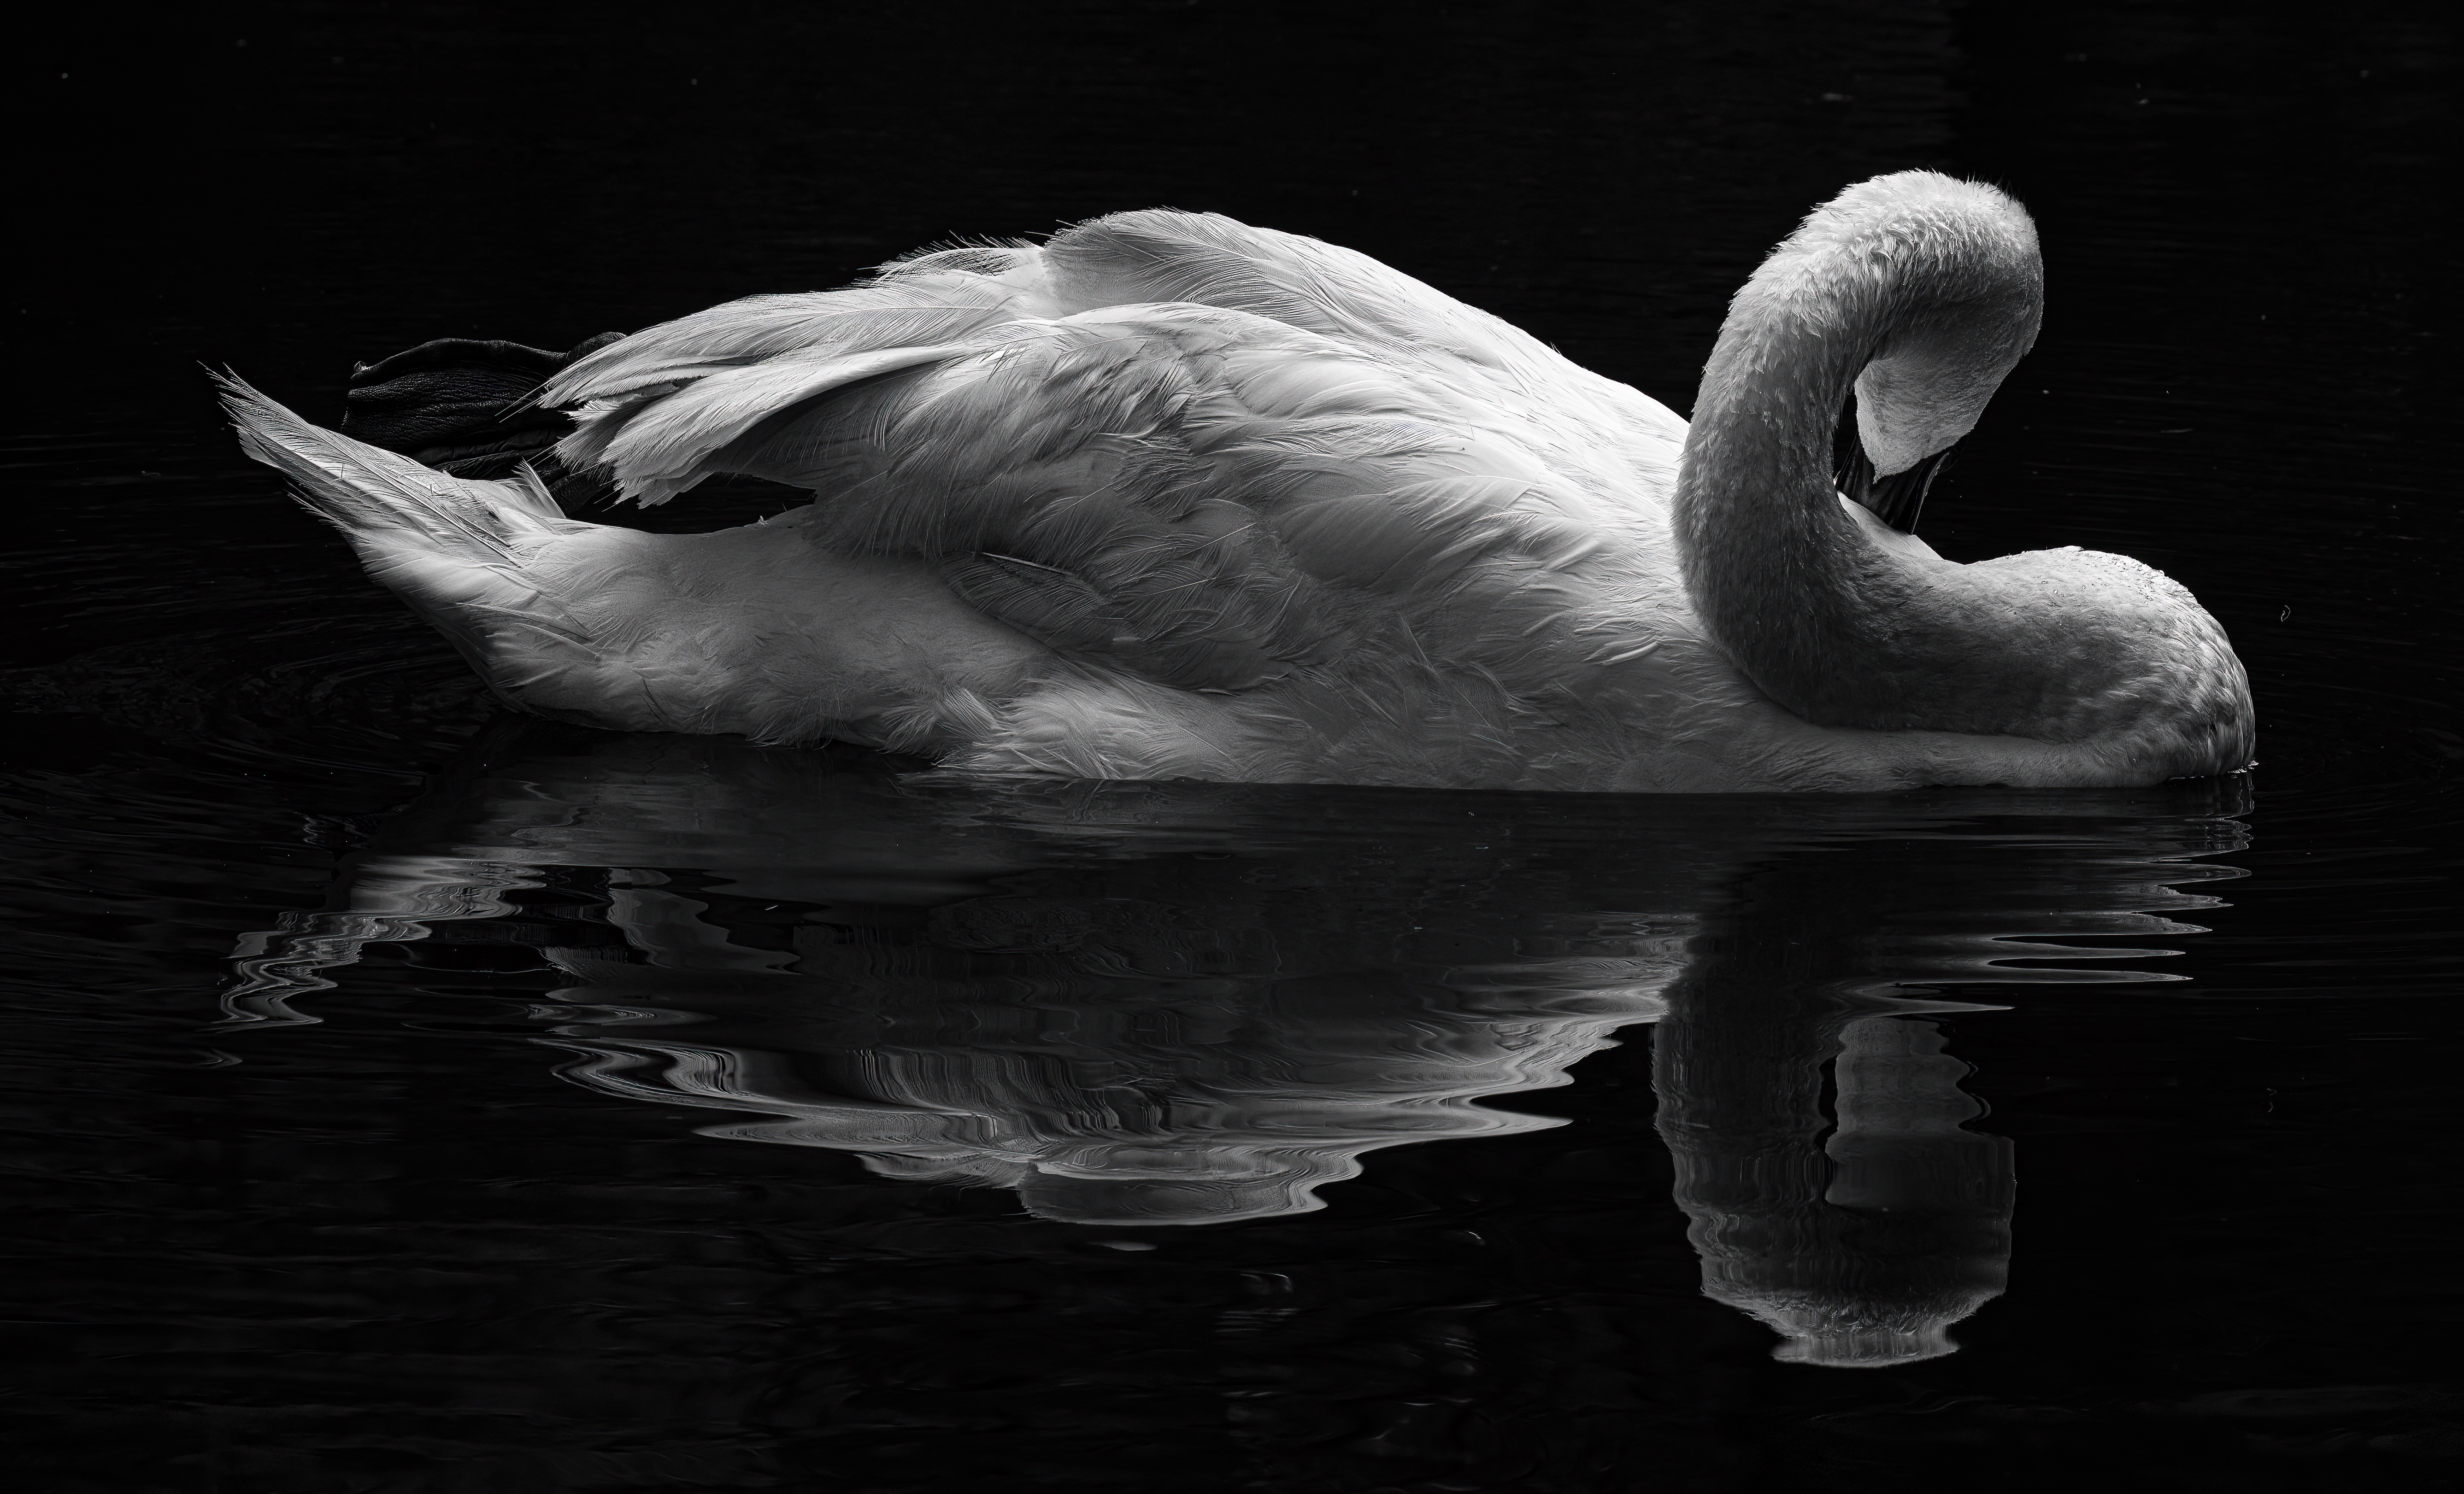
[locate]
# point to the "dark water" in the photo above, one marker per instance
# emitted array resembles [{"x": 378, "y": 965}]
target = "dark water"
[{"x": 408, "y": 1100}]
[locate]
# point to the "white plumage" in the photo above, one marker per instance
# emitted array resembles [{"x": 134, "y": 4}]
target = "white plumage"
[{"x": 1173, "y": 497}]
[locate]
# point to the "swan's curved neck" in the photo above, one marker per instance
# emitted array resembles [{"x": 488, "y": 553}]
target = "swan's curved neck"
[{"x": 1920, "y": 293}]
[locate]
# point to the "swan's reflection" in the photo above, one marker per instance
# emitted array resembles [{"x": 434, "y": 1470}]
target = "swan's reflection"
[
  {"x": 1187, "y": 1004},
  {"x": 1860, "y": 1249}
]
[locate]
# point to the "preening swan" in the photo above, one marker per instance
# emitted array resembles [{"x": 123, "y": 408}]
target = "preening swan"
[{"x": 1171, "y": 496}]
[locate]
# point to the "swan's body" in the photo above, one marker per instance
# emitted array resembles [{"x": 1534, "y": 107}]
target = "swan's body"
[{"x": 1171, "y": 496}]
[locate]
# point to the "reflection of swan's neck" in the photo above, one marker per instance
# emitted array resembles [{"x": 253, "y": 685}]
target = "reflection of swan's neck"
[{"x": 1862, "y": 1252}]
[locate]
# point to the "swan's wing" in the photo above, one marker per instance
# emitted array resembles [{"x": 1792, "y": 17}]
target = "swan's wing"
[
  {"x": 689, "y": 387},
  {"x": 655, "y": 403},
  {"x": 1204, "y": 496},
  {"x": 1211, "y": 260}
]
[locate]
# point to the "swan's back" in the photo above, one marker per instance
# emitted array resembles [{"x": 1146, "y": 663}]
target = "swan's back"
[
  {"x": 1171, "y": 445},
  {"x": 702, "y": 374},
  {"x": 1207, "y": 259}
]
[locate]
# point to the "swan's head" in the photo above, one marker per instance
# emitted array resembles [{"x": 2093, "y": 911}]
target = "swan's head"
[
  {"x": 1949, "y": 272},
  {"x": 1916, "y": 293}
]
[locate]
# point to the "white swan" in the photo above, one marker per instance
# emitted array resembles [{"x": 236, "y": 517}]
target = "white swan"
[{"x": 1173, "y": 496}]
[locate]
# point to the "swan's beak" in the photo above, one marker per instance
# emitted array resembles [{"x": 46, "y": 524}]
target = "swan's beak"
[{"x": 1897, "y": 499}]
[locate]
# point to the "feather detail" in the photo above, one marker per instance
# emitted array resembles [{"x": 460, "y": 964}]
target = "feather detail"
[
  {"x": 661, "y": 447},
  {"x": 364, "y": 490}
]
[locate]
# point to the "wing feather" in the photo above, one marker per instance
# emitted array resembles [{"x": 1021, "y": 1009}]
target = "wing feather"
[
  {"x": 1209, "y": 454},
  {"x": 1160, "y": 255}
]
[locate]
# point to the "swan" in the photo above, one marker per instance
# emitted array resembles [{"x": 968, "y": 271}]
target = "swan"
[{"x": 1173, "y": 496}]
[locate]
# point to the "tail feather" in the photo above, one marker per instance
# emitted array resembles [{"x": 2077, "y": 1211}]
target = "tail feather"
[
  {"x": 466, "y": 554},
  {"x": 750, "y": 630},
  {"x": 374, "y": 496}
]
